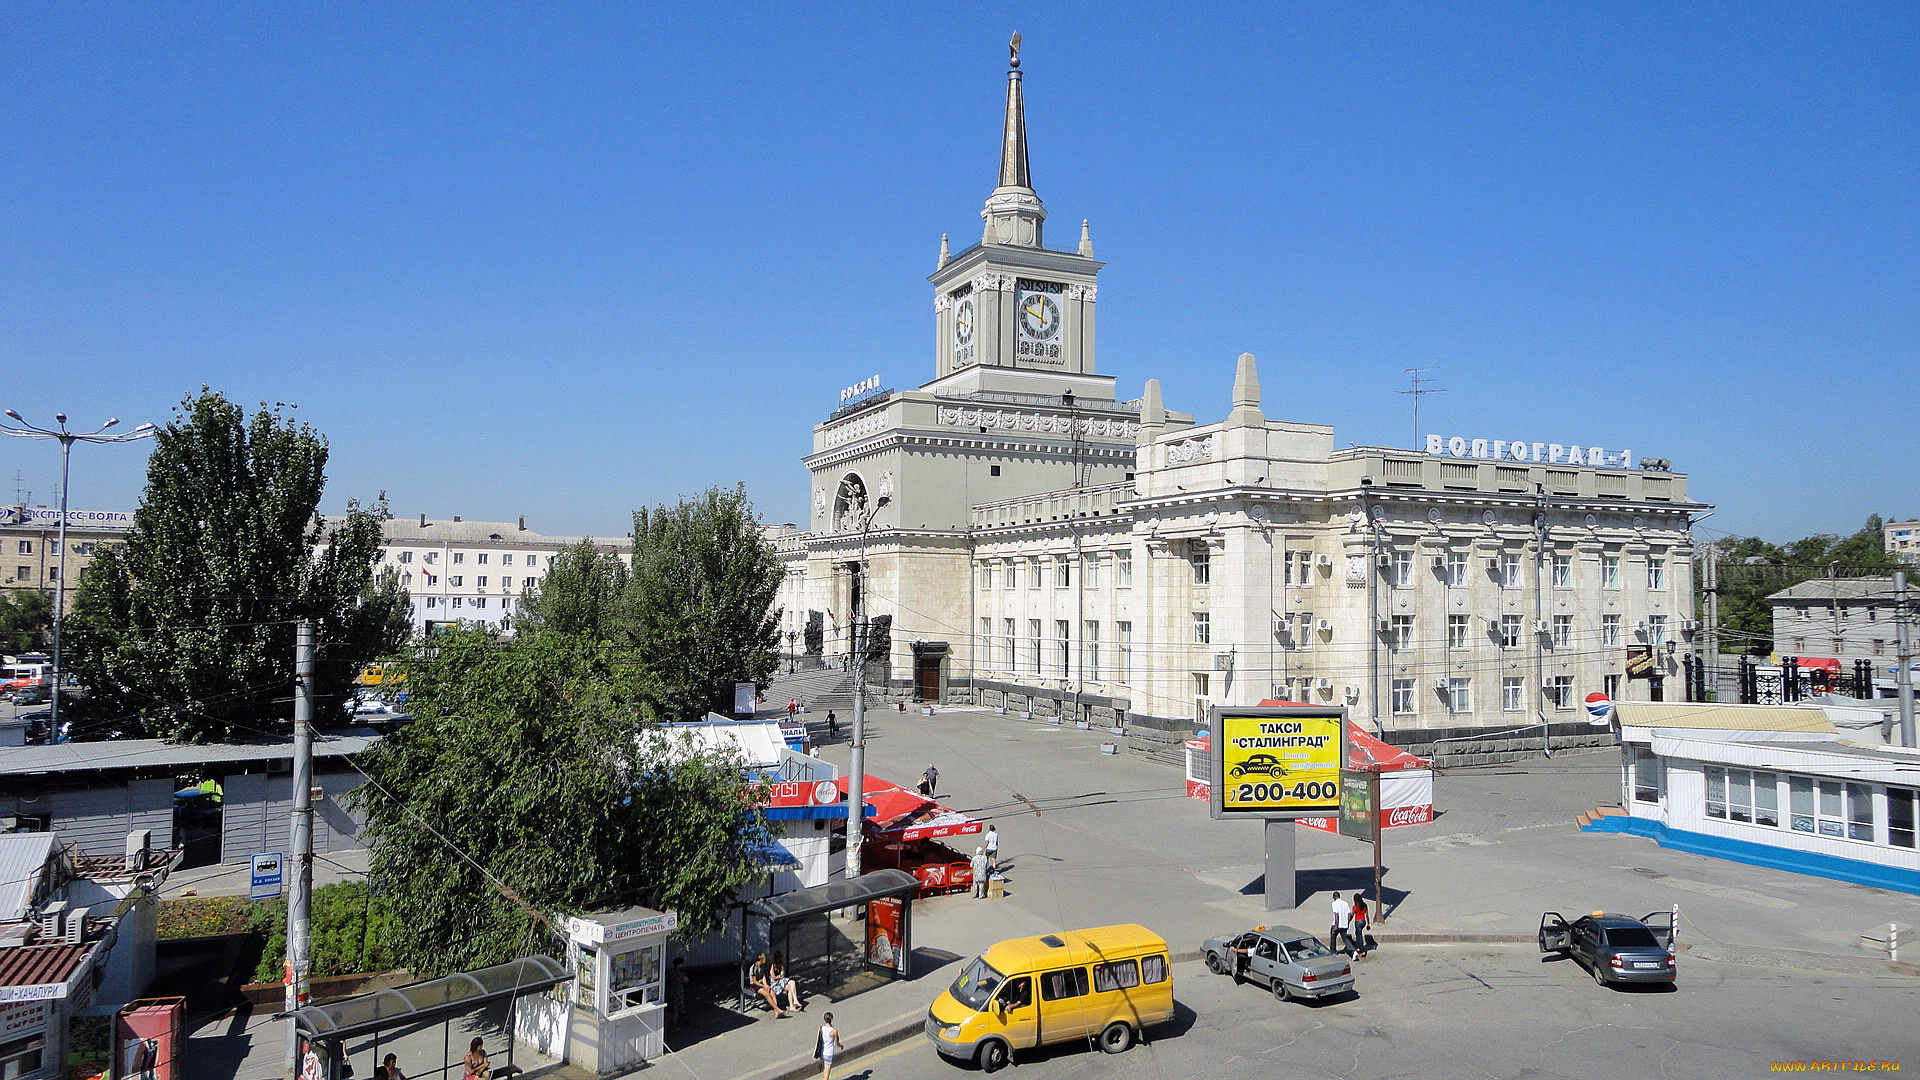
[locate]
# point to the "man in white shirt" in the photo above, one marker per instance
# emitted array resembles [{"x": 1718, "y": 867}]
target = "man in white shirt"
[
  {"x": 993, "y": 849},
  {"x": 1342, "y": 922}
]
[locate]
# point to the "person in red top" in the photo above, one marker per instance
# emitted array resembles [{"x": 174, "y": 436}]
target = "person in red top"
[{"x": 1357, "y": 935}]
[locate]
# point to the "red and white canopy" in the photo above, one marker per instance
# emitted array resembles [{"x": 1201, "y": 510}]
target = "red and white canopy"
[{"x": 904, "y": 814}]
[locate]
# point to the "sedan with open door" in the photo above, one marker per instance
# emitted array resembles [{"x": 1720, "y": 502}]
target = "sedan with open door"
[
  {"x": 1614, "y": 948},
  {"x": 1292, "y": 964}
]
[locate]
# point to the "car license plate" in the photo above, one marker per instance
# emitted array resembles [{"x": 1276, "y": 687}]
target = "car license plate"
[{"x": 1653, "y": 967}]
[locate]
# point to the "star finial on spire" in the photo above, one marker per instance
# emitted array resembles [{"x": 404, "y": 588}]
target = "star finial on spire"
[{"x": 1013, "y": 50}]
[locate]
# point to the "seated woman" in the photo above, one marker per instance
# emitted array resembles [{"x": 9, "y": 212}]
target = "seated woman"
[{"x": 780, "y": 983}]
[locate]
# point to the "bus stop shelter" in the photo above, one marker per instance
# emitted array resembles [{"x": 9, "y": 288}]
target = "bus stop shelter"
[
  {"x": 884, "y": 943},
  {"x": 328, "y": 1028}
]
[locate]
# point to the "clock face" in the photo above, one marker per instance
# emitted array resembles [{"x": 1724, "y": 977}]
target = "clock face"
[
  {"x": 963, "y": 321},
  {"x": 1039, "y": 317}
]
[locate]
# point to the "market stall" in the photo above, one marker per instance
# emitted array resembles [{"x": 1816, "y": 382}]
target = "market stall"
[{"x": 904, "y": 833}]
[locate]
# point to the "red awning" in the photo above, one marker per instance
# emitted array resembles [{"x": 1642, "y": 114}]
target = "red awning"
[
  {"x": 1366, "y": 752},
  {"x": 902, "y": 814},
  {"x": 1821, "y": 663}
]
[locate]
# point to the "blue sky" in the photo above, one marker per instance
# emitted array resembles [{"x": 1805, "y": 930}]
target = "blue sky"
[{"x": 565, "y": 260}]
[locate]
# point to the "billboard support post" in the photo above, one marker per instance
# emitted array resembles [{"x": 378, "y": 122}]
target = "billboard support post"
[{"x": 1281, "y": 864}]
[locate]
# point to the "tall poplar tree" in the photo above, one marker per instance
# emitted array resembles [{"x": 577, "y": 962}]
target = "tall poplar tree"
[{"x": 186, "y": 630}]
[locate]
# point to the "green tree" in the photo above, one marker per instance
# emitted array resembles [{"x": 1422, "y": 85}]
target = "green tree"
[
  {"x": 584, "y": 592},
  {"x": 526, "y": 783},
  {"x": 1751, "y": 570},
  {"x": 701, "y": 601},
  {"x": 26, "y": 620},
  {"x": 186, "y": 630}
]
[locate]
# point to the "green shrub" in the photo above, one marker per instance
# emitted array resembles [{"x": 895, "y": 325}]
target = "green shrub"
[
  {"x": 350, "y": 933},
  {"x": 202, "y": 916}
]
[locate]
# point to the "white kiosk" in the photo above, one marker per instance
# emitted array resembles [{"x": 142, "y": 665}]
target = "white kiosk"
[{"x": 619, "y": 964}]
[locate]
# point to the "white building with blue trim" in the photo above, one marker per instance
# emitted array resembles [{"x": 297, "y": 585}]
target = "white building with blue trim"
[{"x": 1770, "y": 785}]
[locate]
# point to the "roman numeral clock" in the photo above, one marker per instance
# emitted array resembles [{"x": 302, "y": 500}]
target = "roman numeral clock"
[{"x": 1037, "y": 320}]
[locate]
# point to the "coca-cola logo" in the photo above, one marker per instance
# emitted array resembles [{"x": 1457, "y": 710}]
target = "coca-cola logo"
[{"x": 1410, "y": 815}]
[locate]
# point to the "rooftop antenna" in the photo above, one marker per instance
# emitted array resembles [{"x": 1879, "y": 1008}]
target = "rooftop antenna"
[{"x": 1419, "y": 391}]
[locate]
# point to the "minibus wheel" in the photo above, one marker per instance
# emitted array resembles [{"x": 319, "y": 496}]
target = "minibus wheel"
[
  {"x": 993, "y": 1055},
  {"x": 1117, "y": 1038}
]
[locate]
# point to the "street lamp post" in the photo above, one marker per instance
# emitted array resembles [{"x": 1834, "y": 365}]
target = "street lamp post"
[{"x": 66, "y": 439}]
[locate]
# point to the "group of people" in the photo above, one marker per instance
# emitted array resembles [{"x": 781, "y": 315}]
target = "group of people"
[
  {"x": 769, "y": 979},
  {"x": 1349, "y": 931},
  {"x": 986, "y": 861},
  {"x": 475, "y": 1062}
]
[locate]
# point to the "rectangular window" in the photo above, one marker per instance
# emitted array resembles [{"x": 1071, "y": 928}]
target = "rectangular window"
[
  {"x": 1090, "y": 649},
  {"x": 1716, "y": 792},
  {"x": 1609, "y": 630},
  {"x": 1656, "y": 629},
  {"x": 506, "y": 583},
  {"x": 1901, "y": 806},
  {"x": 26, "y": 547},
  {"x": 53, "y": 573},
  {"x": 1033, "y": 573},
  {"x": 986, "y": 641},
  {"x": 1457, "y": 631},
  {"x": 1070, "y": 983},
  {"x": 1402, "y": 569},
  {"x": 87, "y": 549},
  {"x": 1123, "y": 569},
  {"x": 22, "y": 1057},
  {"x": 1562, "y": 631},
  {"x": 1400, "y": 632},
  {"x": 405, "y": 557},
  {"x": 1153, "y": 969},
  {"x": 506, "y": 560},
  {"x": 1299, "y": 568},
  {"x": 1123, "y": 658},
  {"x": 1800, "y": 803},
  {"x": 1033, "y": 645},
  {"x": 1509, "y": 570},
  {"x": 1459, "y": 695},
  {"x": 459, "y": 557},
  {"x": 430, "y": 558},
  {"x": 1560, "y": 692},
  {"x": 1090, "y": 570},
  {"x": 432, "y": 579},
  {"x": 1860, "y": 812},
  {"x": 1456, "y": 569},
  {"x": 534, "y": 560},
  {"x": 1509, "y": 631},
  {"x": 53, "y": 547},
  {"x": 433, "y": 601},
  {"x": 1563, "y": 571},
  {"x": 457, "y": 602},
  {"x": 1013, "y": 575},
  {"x": 1829, "y": 816},
  {"x": 1302, "y": 629},
  {"x": 1656, "y": 574},
  {"x": 1647, "y": 780},
  {"x": 1202, "y": 560},
  {"x": 1007, "y": 659},
  {"x": 481, "y": 558},
  {"x": 454, "y": 581},
  {"x": 1513, "y": 693},
  {"x": 1062, "y": 573},
  {"x": 1202, "y": 628},
  {"x": 1118, "y": 975},
  {"x": 1766, "y": 799},
  {"x": 479, "y": 601},
  {"x": 480, "y": 582},
  {"x": 1611, "y": 683},
  {"x": 1403, "y": 697},
  {"x": 1610, "y": 571},
  {"x": 1061, "y": 631}
]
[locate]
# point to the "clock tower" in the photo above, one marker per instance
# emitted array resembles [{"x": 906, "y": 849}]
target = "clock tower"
[{"x": 1008, "y": 308}]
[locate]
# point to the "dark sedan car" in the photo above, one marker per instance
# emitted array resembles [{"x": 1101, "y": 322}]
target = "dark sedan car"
[{"x": 1614, "y": 948}]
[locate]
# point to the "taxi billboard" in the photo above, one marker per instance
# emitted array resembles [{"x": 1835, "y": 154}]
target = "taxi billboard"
[{"x": 1277, "y": 761}]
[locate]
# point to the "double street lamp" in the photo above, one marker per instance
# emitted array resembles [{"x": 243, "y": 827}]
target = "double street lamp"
[{"x": 66, "y": 439}]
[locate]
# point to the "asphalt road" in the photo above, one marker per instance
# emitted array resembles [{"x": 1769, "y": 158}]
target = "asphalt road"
[{"x": 1471, "y": 1012}]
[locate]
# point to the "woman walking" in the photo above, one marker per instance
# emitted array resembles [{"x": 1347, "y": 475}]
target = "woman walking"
[{"x": 829, "y": 1046}]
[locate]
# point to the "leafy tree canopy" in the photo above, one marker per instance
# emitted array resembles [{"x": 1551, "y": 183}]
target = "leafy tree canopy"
[
  {"x": 527, "y": 783},
  {"x": 186, "y": 630},
  {"x": 584, "y": 592},
  {"x": 26, "y": 620}
]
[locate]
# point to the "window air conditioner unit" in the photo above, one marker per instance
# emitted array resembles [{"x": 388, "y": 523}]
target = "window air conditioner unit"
[
  {"x": 1439, "y": 562},
  {"x": 1324, "y": 684},
  {"x": 1223, "y": 661},
  {"x": 1352, "y": 693},
  {"x": 76, "y": 926},
  {"x": 1323, "y": 560},
  {"x": 1493, "y": 624},
  {"x": 1440, "y": 684},
  {"x": 1539, "y": 626},
  {"x": 1386, "y": 623},
  {"x": 1325, "y": 626},
  {"x": 1385, "y": 559},
  {"x": 1493, "y": 563},
  {"x": 1639, "y": 628},
  {"x": 1688, "y": 626}
]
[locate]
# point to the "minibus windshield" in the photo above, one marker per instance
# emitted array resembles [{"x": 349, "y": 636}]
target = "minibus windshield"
[{"x": 976, "y": 984}]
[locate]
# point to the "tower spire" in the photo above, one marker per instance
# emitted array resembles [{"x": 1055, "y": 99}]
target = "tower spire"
[{"x": 1013, "y": 212}]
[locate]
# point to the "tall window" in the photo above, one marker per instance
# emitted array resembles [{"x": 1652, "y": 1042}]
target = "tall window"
[
  {"x": 1513, "y": 693},
  {"x": 1013, "y": 575},
  {"x": 1609, "y": 629},
  {"x": 480, "y": 582},
  {"x": 481, "y": 558},
  {"x": 506, "y": 559},
  {"x": 405, "y": 557},
  {"x": 507, "y": 582},
  {"x": 1123, "y": 656},
  {"x": 1202, "y": 560},
  {"x": 1090, "y": 570},
  {"x": 1656, "y": 573},
  {"x": 1509, "y": 631},
  {"x": 454, "y": 581},
  {"x": 1560, "y": 691},
  {"x": 1656, "y": 629},
  {"x": 1062, "y": 573},
  {"x": 1509, "y": 570},
  {"x": 1563, "y": 571},
  {"x": 1007, "y": 635},
  {"x": 986, "y": 578},
  {"x": 1299, "y": 567},
  {"x": 1562, "y": 631},
  {"x": 1062, "y": 645},
  {"x": 459, "y": 557},
  {"x": 1400, "y": 632},
  {"x": 26, "y": 547},
  {"x": 1033, "y": 573},
  {"x": 986, "y": 641},
  {"x": 1456, "y": 569},
  {"x": 1302, "y": 627},
  {"x": 1610, "y": 571},
  {"x": 1459, "y": 695},
  {"x": 1457, "y": 631},
  {"x": 1090, "y": 650},
  {"x": 1402, "y": 569},
  {"x": 1403, "y": 697},
  {"x": 430, "y": 557},
  {"x": 1202, "y": 628},
  {"x": 1033, "y": 645},
  {"x": 1647, "y": 775},
  {"x": 1611, "y": 684},
  {"x": 1902, "y": 803},
  {"x": 1123, "y": 569}
]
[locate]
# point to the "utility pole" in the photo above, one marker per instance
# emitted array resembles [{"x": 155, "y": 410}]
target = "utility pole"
[
  {"x": 1903, "y": 668},
  {"x": 857, "y": 757},
  {"x": 1540, "y": 617},
  {"x": 300, "y": 897},
  {"x": 1713, "y": 623}
]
